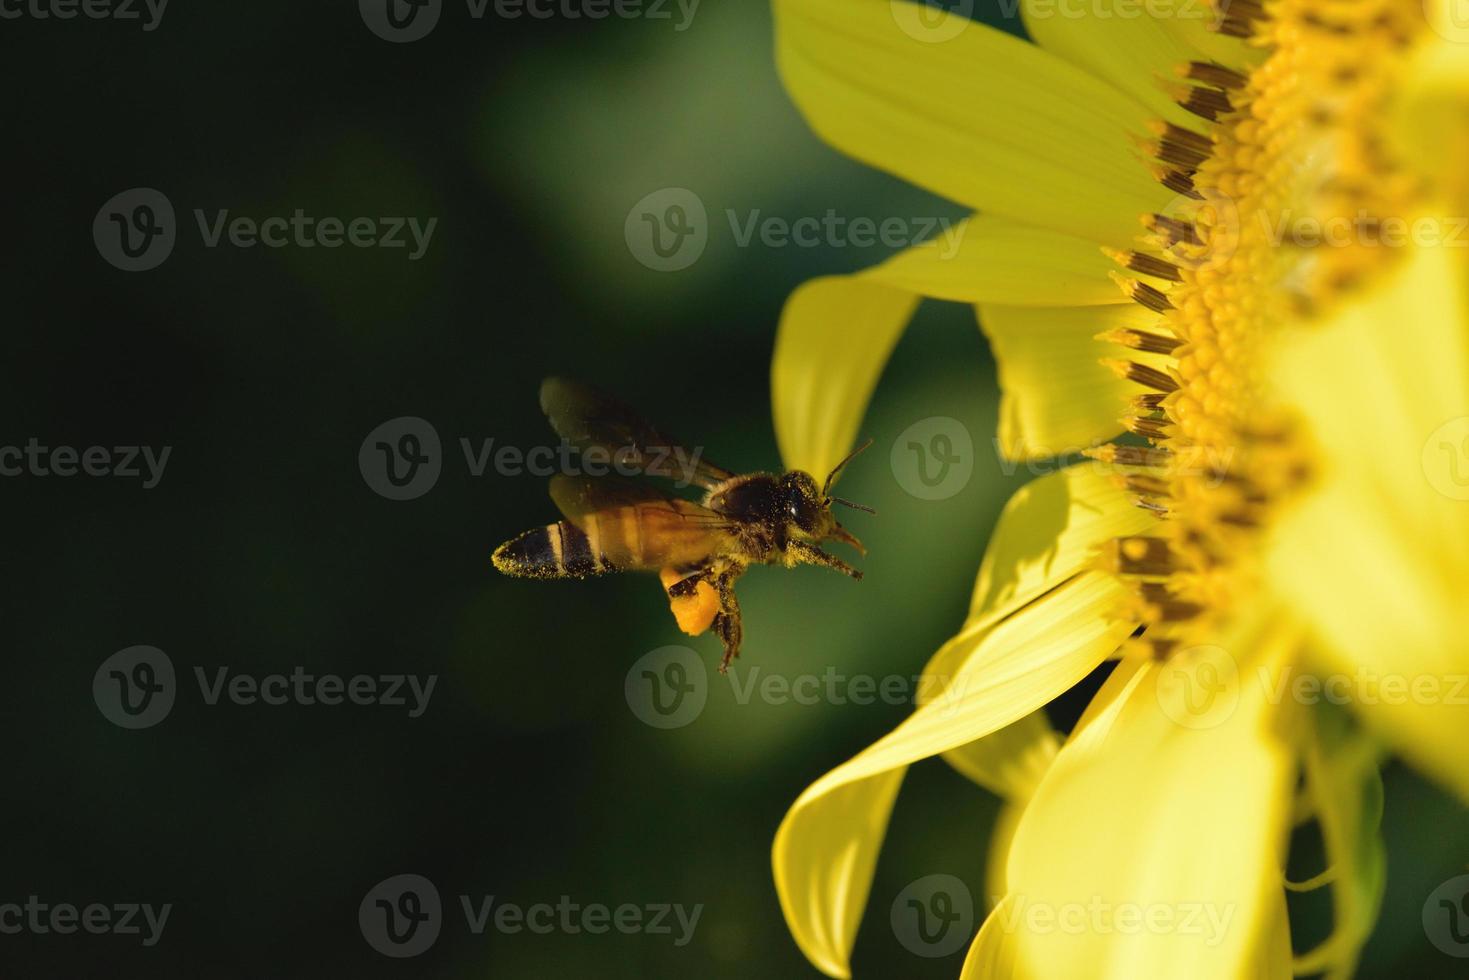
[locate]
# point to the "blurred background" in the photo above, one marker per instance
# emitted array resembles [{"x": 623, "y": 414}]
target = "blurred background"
[{"x": 264, "y": 548}]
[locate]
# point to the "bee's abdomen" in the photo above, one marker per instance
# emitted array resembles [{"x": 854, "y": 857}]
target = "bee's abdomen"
[{"x": 558, "y": 550}]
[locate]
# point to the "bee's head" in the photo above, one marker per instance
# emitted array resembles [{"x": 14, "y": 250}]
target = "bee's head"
[
  {"x": 803, "y": 506},
  {"x": 807, "y": 508}
]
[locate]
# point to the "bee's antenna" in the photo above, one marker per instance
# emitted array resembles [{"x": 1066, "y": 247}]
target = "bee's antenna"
[
  {"x": 832, "y": 477},
  {"x": 847, "y": 503}
]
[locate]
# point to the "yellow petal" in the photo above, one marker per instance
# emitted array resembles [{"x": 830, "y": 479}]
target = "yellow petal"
[
  {"x": 1377, "y": 554},
  {"x": 1002, "y": 834},
  {"x": 1197, "y": 33},
  {"x": 990, "y": 259},
  {"x": 1048, "y": 532},
  {"x": 1120, "y": 43},
  {"x": 1430, "y": 106},
  {"x": 1152, "y": 846},
  {"x": 823, "y": 850},
  {"x": 992, "y": 954},
  {"x": 1056, "y": 396},
  {"x": 1045, "y": 537},
  {"x": 835, "y": 335},
  {"x": 823, "y": 865},
  {"x": 1011, "y": 761},
  {"x": 1346, "y": 793},
  {"x": 981, "y": 117}
]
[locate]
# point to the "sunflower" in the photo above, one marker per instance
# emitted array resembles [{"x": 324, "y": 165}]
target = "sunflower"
[{"x": 1216, "y": 252}]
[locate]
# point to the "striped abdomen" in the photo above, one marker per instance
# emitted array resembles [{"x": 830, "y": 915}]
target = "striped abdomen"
[
  {"x": 649, "y": 535},
  {"x": 557, "y": 550}
]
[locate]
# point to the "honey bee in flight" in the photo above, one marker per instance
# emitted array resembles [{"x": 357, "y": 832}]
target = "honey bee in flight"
[{"x": 699, "y": 550}]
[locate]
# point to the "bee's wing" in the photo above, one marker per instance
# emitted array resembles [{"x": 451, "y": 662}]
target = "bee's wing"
[
  {"x": 586, "y": 417},
  {"x": 629, "y": 525}
]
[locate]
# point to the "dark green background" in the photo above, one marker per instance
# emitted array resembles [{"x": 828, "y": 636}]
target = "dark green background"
[{"x": 263, "y": 549}]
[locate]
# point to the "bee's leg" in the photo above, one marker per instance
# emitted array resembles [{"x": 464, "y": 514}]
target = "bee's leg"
[
  {"x": 841, "y": 534},
  {"x": 728, "y": 623},
  {"x": 684, "y": 584},
  {"x": 812, "y": 555}
]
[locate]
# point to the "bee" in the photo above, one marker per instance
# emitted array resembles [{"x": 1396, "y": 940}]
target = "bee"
[{"x": 699, "y": 550}]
